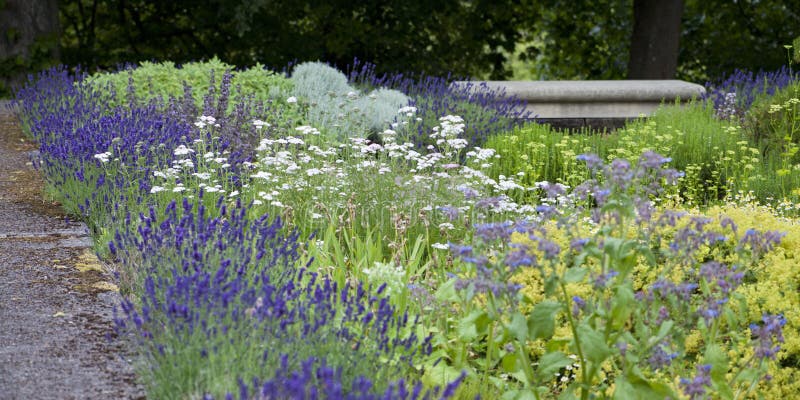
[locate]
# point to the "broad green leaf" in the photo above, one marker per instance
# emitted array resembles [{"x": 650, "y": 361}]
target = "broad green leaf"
[
  {"x": 593, "y": 344},
  {"x": 716, "y": 356},
  {"x": 635, "y": 386},
  {"x": 447, "y": 292},
  {"x": 623, "y": 390},
  {"x": 510, "y": 362},
  {"x": 575, "y": 274},
  {"x": 541, "y": 321},
  {"x": 519, "y": 394},
  {"x": 664, "y": 330},
  {"x": 550, "y": 363},
  {"x": 519, "y": 327},
  {"x": 473, "y": 325},
  {"x": 624, "y": 303}
]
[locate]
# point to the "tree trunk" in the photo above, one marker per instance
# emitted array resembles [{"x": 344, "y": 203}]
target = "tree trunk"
[
  {"x": 655, "y": 39},
  {"x": 29, "y": 33}
]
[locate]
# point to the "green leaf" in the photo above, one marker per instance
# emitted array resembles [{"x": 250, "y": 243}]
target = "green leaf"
[
  {"x": 550, "y": 363},
  {"x": 593, "y": 344},
  {"x": 473, "y": 325},
  {"x": 718, "y": 359},
  {"x": 519, "y": 394},
  {"x": 519, "y": 327},
  {"x": 623, "y": 390},
  {"x": 510, "y": 362},
  {"x": 664, "y": 330},
  {"x": 447, "y": 292},
  {"x": 575, "y": 274},
  {"x": 635, "y": 386},
  {"x": 541, "y": 321},
  {"x": 624, "y": 303}
]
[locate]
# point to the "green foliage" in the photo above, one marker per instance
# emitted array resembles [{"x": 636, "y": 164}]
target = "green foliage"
[
  {"x": 577, "y": 330},
  {"x": 434, "y": 37},
  {"x": 579, "y": 40},
  {"x": 40, "y": 55},
  {"x": 774, "y": 121},
  {"x": 716, "y": 155},
  {"x": 796, "y": 50},
  {"x": 591, "y": 39},
  {"x": 165, "y": 80}
]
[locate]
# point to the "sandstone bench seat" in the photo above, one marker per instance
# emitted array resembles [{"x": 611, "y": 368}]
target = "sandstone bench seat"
[{"x": 593, "y": 103}]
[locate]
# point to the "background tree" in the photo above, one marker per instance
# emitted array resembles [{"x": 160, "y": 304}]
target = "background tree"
[
  {"x": 465, "y": 38},
  {"x": 548, "y": 39},
  {"x": 583, "y": 39},
  {"x": 28, "y": 38},
  {"x": 655, "y": 39}
]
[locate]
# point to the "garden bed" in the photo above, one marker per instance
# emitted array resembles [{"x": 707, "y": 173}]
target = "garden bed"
[{"x": 364, "y": 236}]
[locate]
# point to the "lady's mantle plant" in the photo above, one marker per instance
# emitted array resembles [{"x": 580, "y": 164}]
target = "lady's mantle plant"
[{"x": 596, "y": 329}]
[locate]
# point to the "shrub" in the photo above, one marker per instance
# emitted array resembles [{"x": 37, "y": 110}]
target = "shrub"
[
  {"x": 220, "y": 293},
  {"x": 340, "y": 111},
  {"x": 162, "y": 81}
]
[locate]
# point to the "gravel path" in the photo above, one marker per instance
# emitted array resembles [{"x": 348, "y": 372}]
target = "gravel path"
[{"x": 55, "y": 296}]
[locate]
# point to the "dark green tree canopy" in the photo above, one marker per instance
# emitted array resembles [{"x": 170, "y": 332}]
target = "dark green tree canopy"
[
  {"x": 436, "y": 37},
  {"x": 548, "y": 39}
]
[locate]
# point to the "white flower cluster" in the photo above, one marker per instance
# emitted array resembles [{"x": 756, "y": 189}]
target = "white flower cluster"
[
  {"x": 187, "y": 171},
  {"x": 301, "y": 175},
  {"x": 103, "y": 157},
  {"x": 205, "y": 120}
]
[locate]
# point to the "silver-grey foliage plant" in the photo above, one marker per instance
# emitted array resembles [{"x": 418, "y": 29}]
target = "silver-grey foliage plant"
[{"x": 341, "y": 110}]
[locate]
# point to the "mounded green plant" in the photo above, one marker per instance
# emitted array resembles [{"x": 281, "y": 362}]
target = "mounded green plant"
[
  {"x": 339, "y": 110},
  {"x": 164, "y": 80}
]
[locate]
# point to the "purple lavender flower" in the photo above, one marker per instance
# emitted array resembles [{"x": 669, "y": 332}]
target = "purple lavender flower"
[
  {"x": 652, "y": 160},
  {"x": 493, "y": 231},
  {"x": 601, "y": 281},
  {"x": 578, "y": 244},
  {"x": 519, "y": 257}
]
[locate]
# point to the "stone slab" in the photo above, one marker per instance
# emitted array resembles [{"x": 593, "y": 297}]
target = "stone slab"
[{"x": 594, "y": 99}]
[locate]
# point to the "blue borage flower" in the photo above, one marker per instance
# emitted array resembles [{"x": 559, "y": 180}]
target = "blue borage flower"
[
  {"x": 767, "y": 334},
  {"x": 696, "y": 387}
]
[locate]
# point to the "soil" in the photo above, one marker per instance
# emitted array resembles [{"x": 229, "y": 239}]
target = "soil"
[{"x": 56, "y": 298}]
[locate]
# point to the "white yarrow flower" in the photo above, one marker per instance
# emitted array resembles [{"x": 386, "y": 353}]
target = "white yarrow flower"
[{"x": 103, "y": 157}]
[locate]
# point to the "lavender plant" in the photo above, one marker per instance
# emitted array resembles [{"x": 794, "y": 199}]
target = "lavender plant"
[
  {"x": 733, "y": 96},
  {"x": 626, "y": 335},
  {"x": 325, "y": 382},
  {"x": 221, "y": 293}
]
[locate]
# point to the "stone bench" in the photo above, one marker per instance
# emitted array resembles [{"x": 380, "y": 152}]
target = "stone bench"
[{"x": 595, "y": 104}]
